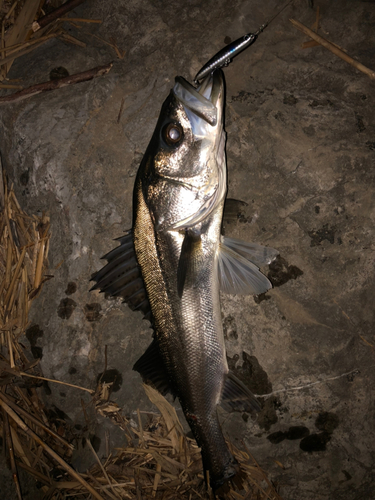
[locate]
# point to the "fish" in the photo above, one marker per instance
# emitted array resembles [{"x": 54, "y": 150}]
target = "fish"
[{"x": 174, "y": 261}]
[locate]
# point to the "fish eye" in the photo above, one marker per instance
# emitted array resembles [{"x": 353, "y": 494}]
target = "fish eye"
[{"x": 173, "y": 134}]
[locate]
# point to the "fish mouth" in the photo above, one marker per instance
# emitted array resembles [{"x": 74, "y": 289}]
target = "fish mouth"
[{"x": 203, "y": 104}]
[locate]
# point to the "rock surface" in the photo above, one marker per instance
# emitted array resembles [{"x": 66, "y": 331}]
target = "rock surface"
[{"x": 301, "y": 154}]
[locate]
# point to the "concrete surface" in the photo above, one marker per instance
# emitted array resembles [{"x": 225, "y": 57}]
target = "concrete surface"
[{"x": 301, "y": 154}]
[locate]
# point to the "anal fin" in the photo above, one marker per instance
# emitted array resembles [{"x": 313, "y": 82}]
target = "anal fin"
[
  {"x": 237, "y": 397},
  {"x": 152, "y": 369}
]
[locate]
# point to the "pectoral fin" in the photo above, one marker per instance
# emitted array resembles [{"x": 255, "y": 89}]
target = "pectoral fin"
[
  {"x": 188, "y": 262},
  {"x": 237, "y": 397},
  {"x": 238, "y": 271}
]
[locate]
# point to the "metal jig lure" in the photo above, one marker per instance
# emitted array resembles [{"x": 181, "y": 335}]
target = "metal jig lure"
[{"x": 225, "y": 55}]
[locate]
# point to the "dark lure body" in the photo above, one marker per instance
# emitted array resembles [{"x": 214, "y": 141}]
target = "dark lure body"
[{"x": 225, "y": 55}]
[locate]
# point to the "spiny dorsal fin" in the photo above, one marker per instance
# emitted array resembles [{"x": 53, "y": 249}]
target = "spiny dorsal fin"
[
  {"x": 121, "y": 276},
  {"x": 237, "y": 397}
]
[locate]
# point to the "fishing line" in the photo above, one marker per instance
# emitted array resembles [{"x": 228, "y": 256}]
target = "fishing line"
[
  {"x": 267, "y": 23},
  {"x": 306, "y": 386}
]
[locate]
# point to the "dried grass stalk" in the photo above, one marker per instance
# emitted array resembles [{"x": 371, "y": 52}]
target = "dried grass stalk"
[
  {"x": 23, "y": 30},
  {"x": 167, "y": 464},
  {"x": 333, "y": 48},
  {"x": 12, "y": 414},
  {"x": 23, "y": 261},
  {"x": 20, "y": 31}
]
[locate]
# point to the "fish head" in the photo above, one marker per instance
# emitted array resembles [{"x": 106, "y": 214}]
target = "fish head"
[{"x": 183, "y": 172}]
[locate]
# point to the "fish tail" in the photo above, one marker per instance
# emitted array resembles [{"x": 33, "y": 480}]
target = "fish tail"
[{"x": 230, "y": 471}]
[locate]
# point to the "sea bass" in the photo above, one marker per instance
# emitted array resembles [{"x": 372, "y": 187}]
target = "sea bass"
[{"x": 174, "y": 261}]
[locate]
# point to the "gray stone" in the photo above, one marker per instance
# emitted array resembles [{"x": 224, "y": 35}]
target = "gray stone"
[{"x": 300, "y": 134}]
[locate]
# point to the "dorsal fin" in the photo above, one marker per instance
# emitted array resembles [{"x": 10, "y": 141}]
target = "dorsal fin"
[{"x": 121, "y": 276}]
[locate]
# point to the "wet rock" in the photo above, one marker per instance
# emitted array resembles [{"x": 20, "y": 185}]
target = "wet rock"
[
  {"x": 320, "y": 102},
  {"x": 24, "y": 178},
  {"x": 315, "y": 442},
  {"x": 57, "y": 73},
  {"x": 290, "y": 100},
  {"x": 327, "y": 422},
  {"x": 66, "y": 308},
  {"x": 360, "y": 125},
  {"x": 92, "y": 311},
  {"x": 33, "y": 333},
  {"x": 325, "y": 233},
  {"x": 253, "y": 375},
  {"x": 71, "y": 288},
  {"x": 280, "y": 272},
  {"x": 111, "y": 376},
  {"x": 230, "y": 328},
  {"x": 95, "y": 441},
  {"x": 262, "y": 296},
  {"x": 276, "y": 437},
  {"x": 297, "y": 432}
]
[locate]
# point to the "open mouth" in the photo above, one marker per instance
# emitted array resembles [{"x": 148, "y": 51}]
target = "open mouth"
[{"x": 204, "y": 103}]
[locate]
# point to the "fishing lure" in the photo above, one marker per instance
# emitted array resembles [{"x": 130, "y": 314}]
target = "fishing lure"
[{"x": 225, "y": 55}]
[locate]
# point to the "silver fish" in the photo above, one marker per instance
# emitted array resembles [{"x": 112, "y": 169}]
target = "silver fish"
[{"x": 174, "y": 262}]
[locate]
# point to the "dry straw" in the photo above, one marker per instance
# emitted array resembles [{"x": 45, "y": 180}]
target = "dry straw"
[{"x": 24, "y": 28}]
